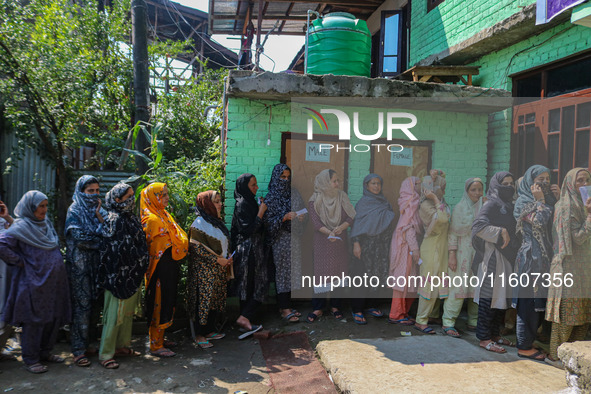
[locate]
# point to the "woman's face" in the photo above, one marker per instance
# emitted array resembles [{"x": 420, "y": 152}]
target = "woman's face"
[
  {"x": 252, "y": 185},
  {"x": 334, "y": 181},
  {"x": 583, "y": 179},
  {"x": 285, "y": 175},
  {"x": 508, "y": 181},
  {"x": 217, "y": 202},
  {"x": 544, "y": 177},
  {"x": 41, "y": 211},
  {"x": 475, "y": 191},
  {"x": 126, "y": 196},
  {"x": 374, "y": 186},
  {"x": 92, "y": 188},
  {"x": 164, "y": 198}
]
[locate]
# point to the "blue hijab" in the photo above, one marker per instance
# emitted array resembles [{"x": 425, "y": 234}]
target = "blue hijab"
[
  {"x": 81, "y": 214},
  {"x": 525, "y": 195}
]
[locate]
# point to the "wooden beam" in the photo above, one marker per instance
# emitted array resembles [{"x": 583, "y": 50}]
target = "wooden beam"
[
  {"x": 265, "y": 17},
  {"x": 359, "y": 3}
]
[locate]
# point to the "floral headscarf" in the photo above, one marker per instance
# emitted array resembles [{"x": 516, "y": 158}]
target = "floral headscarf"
[
  {"x": 162, "y": 231},
  {"x": 82, "y": 212}
]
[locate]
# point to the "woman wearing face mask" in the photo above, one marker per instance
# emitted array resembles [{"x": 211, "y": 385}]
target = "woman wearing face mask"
[
  {"x": 283, "y": 230},
  {"x": 460, "y": 257},
  {"x": 39, "y": 300},
  {"x": 331, "y": 214},
  {"x": 371, "y": 235},
  {"x": 209, "y": 260},
  {"x": 405, "y": 252},
  {"x": 434, "y": 213},
  {"x": 569, "y": 305},
  {"x": 249, "y": 264},
  {"x": 167, "y": 245},
  {"x": 84, "y": 224},
  {"x": 534, "y": 210},
  {"x": 495, "y": 245},
  {"x": 124, "y": 260}
]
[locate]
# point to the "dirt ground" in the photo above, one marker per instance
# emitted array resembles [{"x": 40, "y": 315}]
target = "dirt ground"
[{"x": 230, "y": 366}]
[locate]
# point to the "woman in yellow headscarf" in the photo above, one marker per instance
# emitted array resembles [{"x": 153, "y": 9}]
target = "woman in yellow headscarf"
[{"x": 167, "y": 244}]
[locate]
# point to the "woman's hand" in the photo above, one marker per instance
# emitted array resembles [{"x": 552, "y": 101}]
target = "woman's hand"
[
  {"x": 555, "y": 189},
  {"x": 357, "y": 250},
  {"x": 416, "y": 256},
  {"x": 289, "y": 216},
  {"x": 431, "y": 196},
  {"x": 332, "y": 234},
  {"x": 588, "y": 206},
  {"x": 97, "y": 212},
  {"x": 225, "y": 262},
  {"x": 506, "y": 238},
  {"x": 262, "y": 209},
  {"x": 537, "y": 192},
  {"x": 452, "y": 261}
]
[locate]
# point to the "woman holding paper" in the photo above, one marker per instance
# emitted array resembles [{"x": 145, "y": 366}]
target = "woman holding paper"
[
  {"x": 371, "y": 235},
  {"x": 209, "y": 264},
  {"x": 569, "y": 305},
  {"x": 331, "y": 213},
  {"x": 284, "y": 227}
]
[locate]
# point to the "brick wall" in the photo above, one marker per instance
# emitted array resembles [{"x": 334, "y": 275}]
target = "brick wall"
[{"x": 459, "y": 148}]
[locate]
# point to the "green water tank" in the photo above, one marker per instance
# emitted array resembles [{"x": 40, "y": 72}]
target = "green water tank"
[{"x": 339, "y": 44}]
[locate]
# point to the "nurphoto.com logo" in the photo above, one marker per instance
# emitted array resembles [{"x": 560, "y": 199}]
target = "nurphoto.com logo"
[{"x": 392, "y": 124}]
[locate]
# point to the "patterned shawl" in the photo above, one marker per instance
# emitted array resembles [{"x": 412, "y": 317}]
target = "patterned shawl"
[
  {"x": 280, "y": 199},
  {"x": 329, "y": 201},
  {"x": 374, "y": 213},
  {"x": 124, "y": 251},
  {"x": 569, "y": 208},
  {"x": 81, "y": 214},
  {"x": 162, "y": 231},
  {"x": 208, "y": 229},
  {"x": 27, "y": 228},
  {"x": 525, "y": 196},
  {"x": 466, "y": 211}
]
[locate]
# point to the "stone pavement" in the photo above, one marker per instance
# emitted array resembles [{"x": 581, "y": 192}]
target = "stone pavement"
[{"x": 433, "y": 364}]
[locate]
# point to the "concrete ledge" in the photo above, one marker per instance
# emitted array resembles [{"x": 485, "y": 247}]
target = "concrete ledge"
[
  {"x": 284, "y": 86},
  {"x": 576, "y": 358}
]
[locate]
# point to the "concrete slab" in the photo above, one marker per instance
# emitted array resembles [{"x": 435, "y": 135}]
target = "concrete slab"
[{"x": 433, "y": 364}]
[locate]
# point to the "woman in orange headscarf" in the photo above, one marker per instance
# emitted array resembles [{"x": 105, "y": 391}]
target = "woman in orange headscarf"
[{"x": 167, "y": 244}]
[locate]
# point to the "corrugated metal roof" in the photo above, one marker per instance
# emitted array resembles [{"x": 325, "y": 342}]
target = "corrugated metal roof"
[{"x": 229, "y": 16}]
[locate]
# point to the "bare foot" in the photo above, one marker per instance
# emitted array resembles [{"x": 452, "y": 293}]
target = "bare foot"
[{"x": 244, "y": 323}]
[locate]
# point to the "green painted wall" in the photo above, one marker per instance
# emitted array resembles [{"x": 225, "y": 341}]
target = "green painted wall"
[
  {"x": 460, "y": 147},
  {"x": 454, "y": 21}
]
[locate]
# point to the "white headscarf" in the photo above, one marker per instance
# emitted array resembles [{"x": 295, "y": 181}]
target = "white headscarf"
[{"x": 329, "y": 201}]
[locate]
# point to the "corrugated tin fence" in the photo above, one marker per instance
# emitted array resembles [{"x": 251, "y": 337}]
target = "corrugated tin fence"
[{"x": 32, "y": 172}]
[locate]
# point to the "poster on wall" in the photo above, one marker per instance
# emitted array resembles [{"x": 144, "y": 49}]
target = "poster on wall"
[
  {"x": 402, "y": 158},
  {"x": 314, "y": 152},
  {"x": 548, "y": 9}
]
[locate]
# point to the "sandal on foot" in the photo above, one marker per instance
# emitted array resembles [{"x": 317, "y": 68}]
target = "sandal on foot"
[
  {"x": 126, "y": 351},
  {"x": 358, "y": 318},
  {"x": 403, "y": 322},
  {"x": 163, "y": 352},
  {"x": 452, "y": 332},
  {"x": 53, "y": 358},
  {"x": 338, "y": 314},
  {"x": 170, "y": 344},
  {"x": 109, "y": 364},
  {"x": 554, "y": 363},
  {"x": 205, "y": 344},
  {"x": 215, "y": 336},
  {"x": 36, "y": 368},
  {"x": 82, "y": 361},
  {"x": 537, "y": 356},
  {"x": 289, "y": 318},
  {"x": 296, "y": 312},
  {"x": 426, "y": 330},
  {"x": 312, "y": 317},
  {"x": 505, "y": 342},
  {"x": 493, "y": 347},
  {"x": 254, "y": 328},
  {"x": 375, "y": 312}
]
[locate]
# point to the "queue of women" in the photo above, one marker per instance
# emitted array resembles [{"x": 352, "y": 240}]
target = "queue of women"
[{"x": 528, "y": 230}]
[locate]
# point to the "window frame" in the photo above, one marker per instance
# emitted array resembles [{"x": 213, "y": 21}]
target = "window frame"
[{"x": 401, "y": 57}]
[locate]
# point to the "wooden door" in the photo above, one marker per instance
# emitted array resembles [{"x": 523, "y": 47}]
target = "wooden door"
[{"x": 395, "y": 167}]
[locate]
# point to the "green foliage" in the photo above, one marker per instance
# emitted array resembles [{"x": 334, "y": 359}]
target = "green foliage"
[
  {"x": 64, "y": 73},
  {"x": 189, "y": 133}
]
